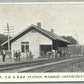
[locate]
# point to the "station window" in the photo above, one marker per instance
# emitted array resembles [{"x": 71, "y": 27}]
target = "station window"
[{"x": 24, "y": 47}]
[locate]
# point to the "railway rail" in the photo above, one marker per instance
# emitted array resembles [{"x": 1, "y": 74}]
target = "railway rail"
[
  {"x": 21, "y": 65},
  {"x": 39, "y": 66},
  {"x": 55, "y": 65}
]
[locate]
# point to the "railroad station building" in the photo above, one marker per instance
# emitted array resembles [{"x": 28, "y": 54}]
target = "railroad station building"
[{"x": 37, "y": 40}]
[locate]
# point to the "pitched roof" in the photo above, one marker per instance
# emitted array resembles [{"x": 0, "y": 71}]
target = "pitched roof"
[
  {"x": 48, "y": 33},
  {"x": 56, "y": 37}
]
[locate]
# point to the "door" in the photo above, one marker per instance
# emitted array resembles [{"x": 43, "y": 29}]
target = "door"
[{"x": 44, "y": 49}]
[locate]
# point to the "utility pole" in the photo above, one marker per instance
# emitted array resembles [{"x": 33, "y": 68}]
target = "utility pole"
[
  {"x": 8, "y": 37},
  {"x": 8, "y": 32},
  {"x": 82, "y": 49}
]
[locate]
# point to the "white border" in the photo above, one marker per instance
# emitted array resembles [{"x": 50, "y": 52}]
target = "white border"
[
  {"x": 46, "y": 3},
  {"x": 43, "y": 79}
]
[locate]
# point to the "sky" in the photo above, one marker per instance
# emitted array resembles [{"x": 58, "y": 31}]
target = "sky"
[{"x": 65, "y": 19}]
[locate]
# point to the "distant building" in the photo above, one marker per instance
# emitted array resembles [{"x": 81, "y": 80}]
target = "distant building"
[
  {"x": 37, "y": 40},
  {"x": 76, "y": 50}
]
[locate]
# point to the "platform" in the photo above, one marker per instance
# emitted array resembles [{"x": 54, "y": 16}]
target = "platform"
[{"x": 22, "y": 60}]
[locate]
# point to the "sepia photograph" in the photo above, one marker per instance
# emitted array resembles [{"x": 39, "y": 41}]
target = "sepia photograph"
[{"x": 42, "y": 38}]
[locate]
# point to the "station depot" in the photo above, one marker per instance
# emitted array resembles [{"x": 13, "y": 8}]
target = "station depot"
[{"x": 37, "y": 40}]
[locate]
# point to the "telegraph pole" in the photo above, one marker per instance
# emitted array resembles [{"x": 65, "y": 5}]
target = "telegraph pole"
[
  {"x": 8, "y": 37},
  {"x": 82, "y": 49},
  {"x": 8, "y": 32}
]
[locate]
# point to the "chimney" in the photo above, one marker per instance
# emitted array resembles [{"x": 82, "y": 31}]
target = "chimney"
[
  {"x": 52, "y": 30},
  {"x": 39, "y": 24}
]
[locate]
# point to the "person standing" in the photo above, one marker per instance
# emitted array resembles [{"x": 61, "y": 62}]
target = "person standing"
[
  {"x": 14, "y": 55},
  {"x": 30, "y": 55},
  {"x": 27, "y": 54},
  {"x": 3, "y": 55},
  {"x": 19, "y": 54},
  {"x": 49, "y": 55},
  {"x": 56, "y": 54}
]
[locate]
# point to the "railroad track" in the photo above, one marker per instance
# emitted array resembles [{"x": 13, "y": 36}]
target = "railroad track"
[
  {"x": 9, "y": 67},
  {"x": 39, "y": 66},
  {"x": 55, "y": 65},
  {"x": 16, "y": 66}
]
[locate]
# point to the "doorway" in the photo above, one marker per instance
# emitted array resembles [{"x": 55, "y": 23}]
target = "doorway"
[{"x": 44, "y": 49}]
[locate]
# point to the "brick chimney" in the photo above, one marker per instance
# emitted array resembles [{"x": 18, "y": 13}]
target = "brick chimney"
[
  {"x": 39, "y": 24},
  {"x": 52, "y": 30}
]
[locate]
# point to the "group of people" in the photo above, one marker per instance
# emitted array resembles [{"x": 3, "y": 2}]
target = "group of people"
[
  {"x": 17, "y": 55},
  {"x": 57, "y": 54},
  {"x": 50, "y": 54},
  {"x": 29, "y": 54},
  {"x": 53, "y": 54}
]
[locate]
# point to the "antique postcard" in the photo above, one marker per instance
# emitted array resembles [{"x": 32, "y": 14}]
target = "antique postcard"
[{"x": 42, "y": 42}]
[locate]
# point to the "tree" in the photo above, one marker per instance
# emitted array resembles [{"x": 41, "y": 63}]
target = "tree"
[
  {"x": 3, "y": 38},
  {"x": 70, "y": 39}
]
